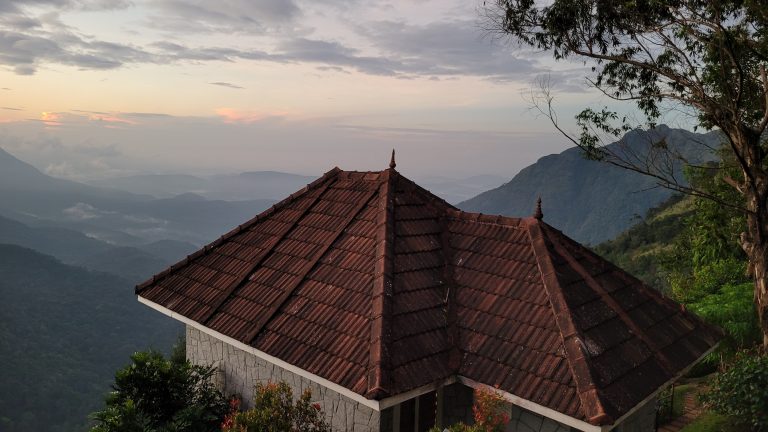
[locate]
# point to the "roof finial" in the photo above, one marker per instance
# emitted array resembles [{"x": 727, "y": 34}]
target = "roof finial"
[
  {"x": 538, "y": 214},
  {"x": 392, "y": 163}
]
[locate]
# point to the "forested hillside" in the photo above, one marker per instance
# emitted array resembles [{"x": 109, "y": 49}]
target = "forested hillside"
[{"x": 63, "y": 332}]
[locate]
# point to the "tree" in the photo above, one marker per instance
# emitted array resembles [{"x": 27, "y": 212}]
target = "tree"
[
  {"x": 158, "y": 394},
  {"x": 707, "y": 57}
]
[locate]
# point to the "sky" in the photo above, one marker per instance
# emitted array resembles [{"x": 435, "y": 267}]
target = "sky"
[{"x": 105, "y": 88}]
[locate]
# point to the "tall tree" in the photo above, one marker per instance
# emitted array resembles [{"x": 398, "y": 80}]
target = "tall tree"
[{"x": 706, "y": 56}]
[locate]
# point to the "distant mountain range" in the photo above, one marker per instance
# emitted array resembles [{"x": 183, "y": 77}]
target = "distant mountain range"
[
  {"x": 273, "y": 185},
  {"x": 588, "y": 200},
  {"x": 270, "y": 185},
  {"x": 114, "y": 216}
]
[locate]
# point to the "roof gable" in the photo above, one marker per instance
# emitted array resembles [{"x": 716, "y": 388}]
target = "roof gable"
[{"x": 370, "y": 281}]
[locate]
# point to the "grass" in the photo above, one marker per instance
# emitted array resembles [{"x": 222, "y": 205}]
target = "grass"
[{"x": 713, "y": 422}]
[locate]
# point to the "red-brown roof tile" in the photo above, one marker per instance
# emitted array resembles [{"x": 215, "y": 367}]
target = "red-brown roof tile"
[{"x": 370, "y": 281}]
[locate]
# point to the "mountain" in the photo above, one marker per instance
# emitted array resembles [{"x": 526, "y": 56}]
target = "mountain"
[
  {"x": 158, "y": 185},
  {"x": 588, "y": 200},
  {"x": 63, "y": 333},
  {"x": 113, "y": 216},
  {"x": 637, "y": 249},
  {"x": 75, "y": 248},
  {"x": 66, "y": 245},
  {"x": 255, "y": 185}
]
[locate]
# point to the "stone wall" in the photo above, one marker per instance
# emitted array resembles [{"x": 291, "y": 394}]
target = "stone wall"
[
  {"x": 522, "y": 420},
  {"x": 642, "y": 420},
  {"x": 239, "y": 371}
]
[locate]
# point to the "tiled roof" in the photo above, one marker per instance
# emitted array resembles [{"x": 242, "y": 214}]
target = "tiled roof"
[{"x": 371, "y": 282}]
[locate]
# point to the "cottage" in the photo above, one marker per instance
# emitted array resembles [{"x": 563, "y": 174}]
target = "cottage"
[{"x": 391, "y": 305}]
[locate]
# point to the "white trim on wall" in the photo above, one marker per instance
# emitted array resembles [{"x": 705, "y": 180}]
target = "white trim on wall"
[
  {"x": 376, "y": 405},
  {"x": 536, "y": 408}
]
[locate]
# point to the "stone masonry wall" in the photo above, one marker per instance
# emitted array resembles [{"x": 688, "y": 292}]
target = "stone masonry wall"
[
  {"x": 239, "y": 371},
  {"x": 522, "y": 420},
  {"x": 642, "y": 420}
]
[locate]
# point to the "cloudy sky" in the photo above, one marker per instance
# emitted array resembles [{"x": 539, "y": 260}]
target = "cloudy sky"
[{"x": 102, "y": 88}]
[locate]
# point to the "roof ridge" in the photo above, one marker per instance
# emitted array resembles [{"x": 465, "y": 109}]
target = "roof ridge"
[
  {"x": 238, "y": 229},
  {"x": 591, "y": 402},
  {"x": 610, "y": 301},
  {"x": 486, "y": 218},
  {"x": 258, "y": 327},
  {"x": 449, "y": 275},
  {"x": 381, "y": 291}
]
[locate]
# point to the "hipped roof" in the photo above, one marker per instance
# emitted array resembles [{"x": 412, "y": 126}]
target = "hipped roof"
[{"x": 375, "y": 284}]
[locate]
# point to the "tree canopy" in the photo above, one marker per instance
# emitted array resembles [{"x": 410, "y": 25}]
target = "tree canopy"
[{"x": 706, "y": 58}]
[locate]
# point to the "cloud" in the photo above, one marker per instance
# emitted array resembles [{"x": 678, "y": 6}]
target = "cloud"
[
  {"x": 50, "y": 118},
  {"x": 230, "y": 115},
  {"x": 25, "y": 52},
  {"x": 222, "y": 16},
  {"x": 446, "y": 48},
  {"x": 82, "y": 211},
  {"x": 226, "y": 84},
  {"x": 17, "y": 7},
  {"x": 12, "y": 109},
  {"x": 437, "y": 50}
]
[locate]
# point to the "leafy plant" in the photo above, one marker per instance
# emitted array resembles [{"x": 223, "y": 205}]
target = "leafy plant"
[
  {"x": 158, "y": 394},
  {"x": 733, "y": 310},
  {"x": 275, "y": 411},
  {"x": 741, "y": 391},
  {"x": 490, "y": 412}
]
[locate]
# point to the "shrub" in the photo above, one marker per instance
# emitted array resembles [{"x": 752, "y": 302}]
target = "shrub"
[
  {"x": 158, "y": 394},
  {"x": 741, "y": 391},
  {"x": 490, "y": 412},
  {"x": 732, "y": 308},
  {"x": 275, "y": 411}
]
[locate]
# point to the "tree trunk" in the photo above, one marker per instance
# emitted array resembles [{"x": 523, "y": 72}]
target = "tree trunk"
[
  {"x": 757, "y": 252},
  {"x": 755, "y": 240}
]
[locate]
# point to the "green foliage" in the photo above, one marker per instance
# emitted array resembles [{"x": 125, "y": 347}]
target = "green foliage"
[
  {"x": 490, "y": 413},
  {"x": 703, "y": 55},
  {"x": 741, "y": 391},
  {"x": 732, "y": 308},
  {"x": 706, "y": 255},
  {"x": 63, "y": 333},
  {"x": 158, "y": 394},
  {"x": 713, "y": 422},
  {"x": 638, "y": 249},
  {"x": 275, "y": 411}
]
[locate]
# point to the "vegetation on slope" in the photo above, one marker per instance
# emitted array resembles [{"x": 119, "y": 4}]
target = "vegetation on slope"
[{"x": 63, "y": 333}]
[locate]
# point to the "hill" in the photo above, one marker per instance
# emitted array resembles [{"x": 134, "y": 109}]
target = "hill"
[
  {"x": 637, "y": 249},
  {"x": 75, "y": 248},
  {"x": 122, "y": 218},
  {"x": 63, "y": 333},
  {"x": 245, "y": 186},
  {"x": 589, "y": 200}
]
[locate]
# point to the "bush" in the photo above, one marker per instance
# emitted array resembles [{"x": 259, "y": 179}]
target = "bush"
[
  {"x": 732, "y": 308},
  {"x": 490, "y": 412},
  {"x": 741, "y": 391},
  {"x": 275, "y": 411},
  {"x": 158, "y": 394}
]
